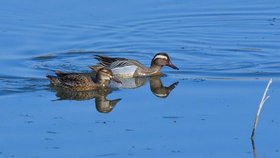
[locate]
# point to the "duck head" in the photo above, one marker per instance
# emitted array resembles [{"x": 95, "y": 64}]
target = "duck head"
[
  {"x": 105, "y": 75},
  {"x": 162, "y": 59}
]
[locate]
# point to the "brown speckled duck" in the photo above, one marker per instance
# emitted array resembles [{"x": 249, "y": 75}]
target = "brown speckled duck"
[
  {"x": 83, "y": 82},
  {"x": 127, "y": 68}
]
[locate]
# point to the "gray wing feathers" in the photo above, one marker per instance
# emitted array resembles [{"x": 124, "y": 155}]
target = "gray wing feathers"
[
  {"x": 120, "y": 63},
  {"x": 116, "y": 62},
  {"x": 107, "y": 61}
]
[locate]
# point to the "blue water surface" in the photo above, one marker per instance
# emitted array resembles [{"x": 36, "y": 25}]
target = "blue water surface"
[{"x": 226, "y": 51}]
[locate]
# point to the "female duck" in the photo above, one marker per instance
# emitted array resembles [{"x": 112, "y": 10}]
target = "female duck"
[
  {"x": 83, "y": 82},
  {"x": 128, "y": 68}
]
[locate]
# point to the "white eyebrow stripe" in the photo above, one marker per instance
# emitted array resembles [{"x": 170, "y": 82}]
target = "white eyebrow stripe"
[
  {"x": 161, "y": 57},
  {"x": 160, "y": 95}
]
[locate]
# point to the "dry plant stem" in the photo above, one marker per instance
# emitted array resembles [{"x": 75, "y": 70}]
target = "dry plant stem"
[{"x": 264, "y": 98}]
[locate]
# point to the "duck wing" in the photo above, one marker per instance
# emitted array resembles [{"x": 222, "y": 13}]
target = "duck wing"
[
  {"x": 62, "y": 74},
  {"x": 107, "y": 61},
  {"x": 124, "y": 63},
  {"x": 112, "y": 63},
  {"x": 76, "y": 80}
]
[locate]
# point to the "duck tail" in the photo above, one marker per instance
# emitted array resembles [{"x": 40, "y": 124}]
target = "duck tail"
[
  {"x": 59, "y": 73},
  {"x": 95, "y": 67},
  {"x": 53, "y": 79},
  {"x": 102, "y": 58}
]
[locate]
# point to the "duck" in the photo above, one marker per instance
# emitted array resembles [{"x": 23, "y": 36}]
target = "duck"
[
  {"x": 82, "y": 81},
  {"x": 128, "y": 68}
]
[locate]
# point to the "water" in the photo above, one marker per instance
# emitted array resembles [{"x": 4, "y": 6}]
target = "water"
[{"x": 226, "y": 52}]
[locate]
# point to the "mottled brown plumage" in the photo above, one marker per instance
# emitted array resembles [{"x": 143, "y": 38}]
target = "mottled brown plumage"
[{"x": 81, "y": 81}]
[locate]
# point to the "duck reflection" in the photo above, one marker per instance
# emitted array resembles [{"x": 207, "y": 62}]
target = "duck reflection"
[
  {"x": 159, "y": 89},
  {"x": 129, "y": 83},
  {"x": 103, "y": 105},
  {"x": 156, "y": 86}
]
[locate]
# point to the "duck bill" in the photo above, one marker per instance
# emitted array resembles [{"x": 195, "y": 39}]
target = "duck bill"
[
  {"x": 172, "y": 66},
  {"x": 116, "y": 80}
]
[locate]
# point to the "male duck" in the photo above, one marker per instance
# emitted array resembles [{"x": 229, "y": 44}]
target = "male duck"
[
  {"x": 83, "y": 82},
  {"x": 128, "y": 68}
]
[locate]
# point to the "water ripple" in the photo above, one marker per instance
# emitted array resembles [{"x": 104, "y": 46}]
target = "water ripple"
[
  {"x": 12, "y": 84},
  {"x": 225, "y": 40}
]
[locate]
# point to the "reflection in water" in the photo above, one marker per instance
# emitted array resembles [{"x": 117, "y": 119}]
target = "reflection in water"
[
  {"x": 102, "y": 104},
  {"x": 129, "y": 83},
  {"x": 156, "y": 86},
  {"x": 159, "y": 89},
  {"x": 105, "y": 106}
]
